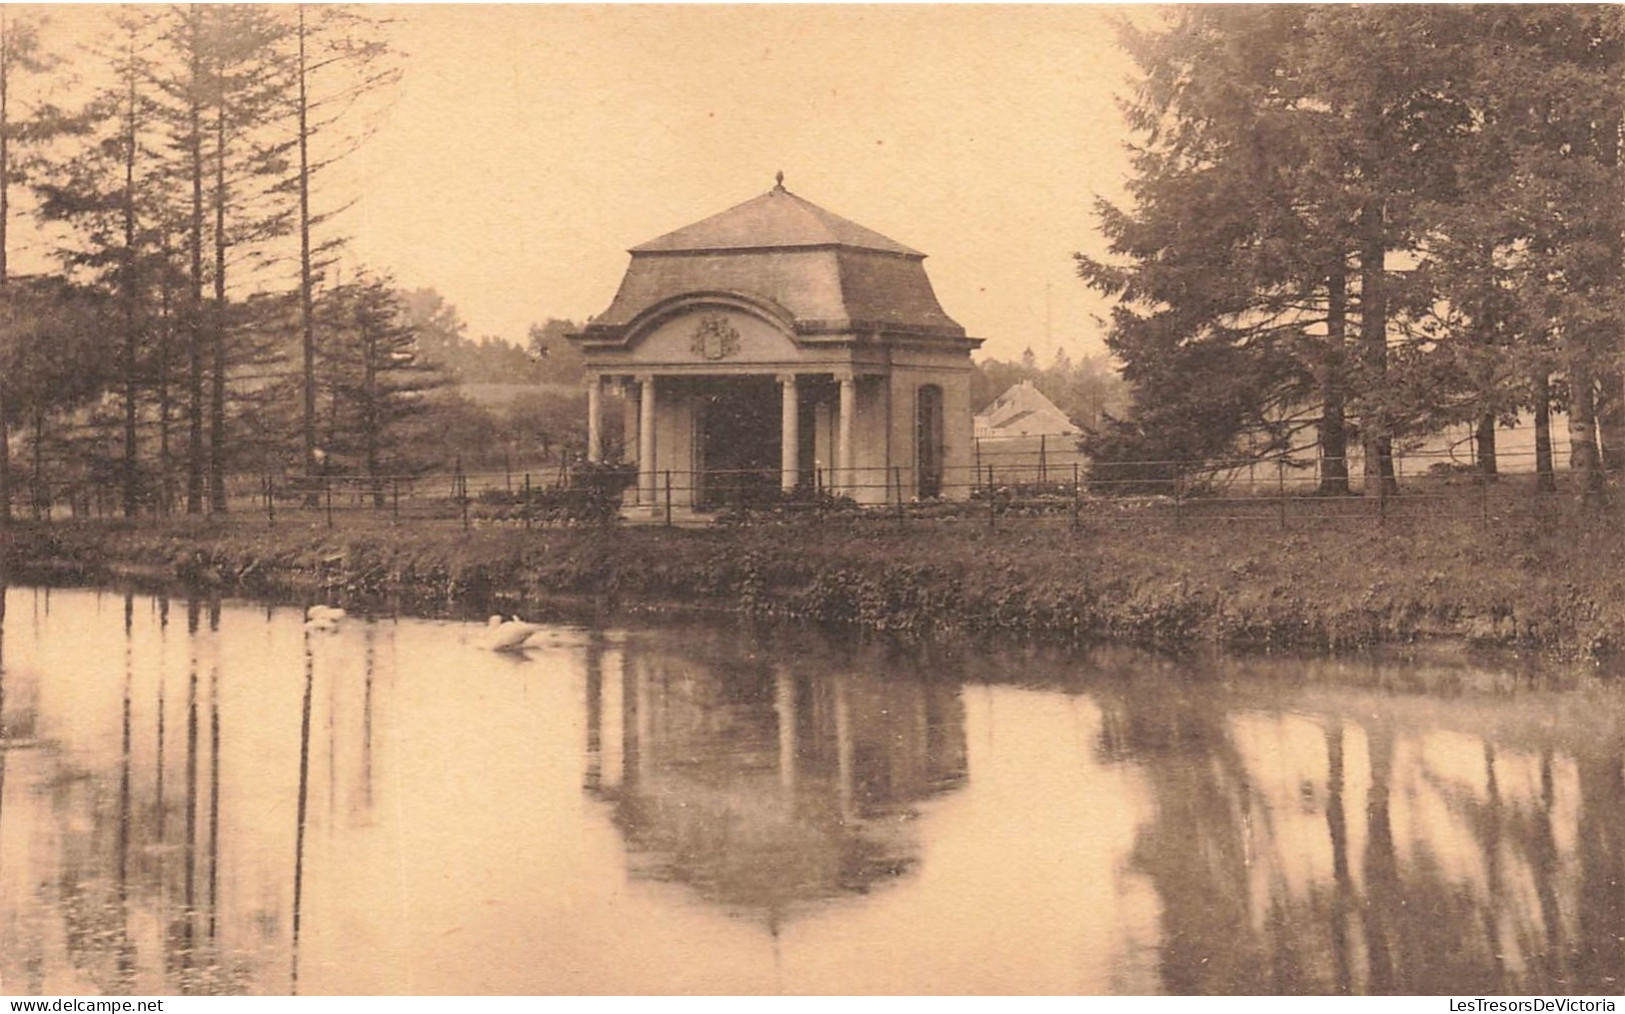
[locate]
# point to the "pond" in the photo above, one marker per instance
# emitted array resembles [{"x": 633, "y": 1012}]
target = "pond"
[{"x": 210, "y": 797}]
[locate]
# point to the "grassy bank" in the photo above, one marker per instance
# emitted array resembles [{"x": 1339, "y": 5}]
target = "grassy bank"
[{"x": 1246, "y": 585}]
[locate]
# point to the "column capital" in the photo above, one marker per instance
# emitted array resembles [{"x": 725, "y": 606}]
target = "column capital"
[
  {"x": 846, "y": 376},
  {"x": 644, "y": 379},
  {"x": 787, "y": 379}
]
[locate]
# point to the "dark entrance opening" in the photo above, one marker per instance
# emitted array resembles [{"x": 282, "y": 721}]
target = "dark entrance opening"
[
  {"x": 928, "y": 441},
  {"x": 737, "y": 432}
]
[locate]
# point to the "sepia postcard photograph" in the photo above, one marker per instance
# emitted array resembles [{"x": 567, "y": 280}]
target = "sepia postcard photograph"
[{"x": 800, "y": 500}]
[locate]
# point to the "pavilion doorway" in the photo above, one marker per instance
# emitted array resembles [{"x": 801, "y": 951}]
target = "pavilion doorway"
[
  {"x": 928, "y": 440},
  {"x": 737, "y": 441}
]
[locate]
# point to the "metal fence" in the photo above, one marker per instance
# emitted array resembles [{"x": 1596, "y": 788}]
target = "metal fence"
[{"x": 1005, "y": 484}]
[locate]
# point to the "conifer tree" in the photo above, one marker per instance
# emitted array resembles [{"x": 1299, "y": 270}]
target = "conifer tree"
[
  {"x": 20, "y": 53},
  {"x": 339, "y": 60},
  {"x": 375, "y": 377}
]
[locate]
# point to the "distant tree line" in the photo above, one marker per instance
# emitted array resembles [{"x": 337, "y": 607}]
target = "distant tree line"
[
  {"x": 503, "y": 402},
  {"x": 1355, "y": 225}
]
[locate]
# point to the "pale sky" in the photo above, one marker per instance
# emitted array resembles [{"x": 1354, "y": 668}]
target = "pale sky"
[{"x": 528, "y": 146}]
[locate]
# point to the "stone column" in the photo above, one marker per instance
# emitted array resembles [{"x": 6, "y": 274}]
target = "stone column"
[
  {"x": 646, "y": 440},
  {"x": 595, "y": 412},
  {"x": 629, "y": 422},
  {"x": 789, "y": 433},
  {"x": 846, "y": 468}
]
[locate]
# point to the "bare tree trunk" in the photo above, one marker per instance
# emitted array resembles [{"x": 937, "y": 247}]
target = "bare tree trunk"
[
  {"x": 194, "y": 330},
  {"x": 1545, "y": 473},
  {"x": 217, "y": 391},
  {"x": 1585, "y": 460},
  {"x": 1334, "y": 447},
  {"x": 1379, "y": 446},
  {"x": 1484, "y": 442},
  {"x": 307, "y": 311},
  {"x": 166, "y": 334},
  {"x": 1611, "y": 419},
  {"x": 369, "y": 413},
  {"x": 128, "y": 285}
]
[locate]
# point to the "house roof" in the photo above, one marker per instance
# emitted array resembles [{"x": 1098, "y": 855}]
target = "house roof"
[
  {"x": 777, "y": 219},
  {"x": 1023, "y": 411},
  {"x": 825, "y": 273}
]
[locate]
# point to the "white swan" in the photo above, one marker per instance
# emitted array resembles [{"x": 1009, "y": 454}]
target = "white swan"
[
  {"x": 510, "y": 634},
  {"x": 320, "y": 617}
]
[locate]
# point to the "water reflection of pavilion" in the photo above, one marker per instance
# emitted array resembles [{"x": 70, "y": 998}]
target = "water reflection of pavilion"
[{"x": 766, "y": 781}]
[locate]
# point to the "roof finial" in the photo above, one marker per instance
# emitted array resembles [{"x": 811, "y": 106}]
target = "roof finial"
[{"x": 778, "y": 180}]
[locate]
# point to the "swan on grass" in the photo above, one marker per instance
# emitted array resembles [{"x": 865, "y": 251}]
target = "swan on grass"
[{"x": 510, "y": 634}]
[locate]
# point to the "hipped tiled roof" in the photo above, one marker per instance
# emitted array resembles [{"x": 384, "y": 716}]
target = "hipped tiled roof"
[{"x": 777, "y": 219}]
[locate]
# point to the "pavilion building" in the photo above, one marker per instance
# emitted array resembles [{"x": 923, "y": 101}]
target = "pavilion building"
[{"x": 777, "y": 345}]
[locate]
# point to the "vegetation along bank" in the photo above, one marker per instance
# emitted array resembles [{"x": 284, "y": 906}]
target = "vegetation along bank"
[{"x": 1514, "y": 585}]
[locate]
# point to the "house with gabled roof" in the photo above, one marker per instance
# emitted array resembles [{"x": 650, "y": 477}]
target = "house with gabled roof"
[{"x": 1023, "y": 411}]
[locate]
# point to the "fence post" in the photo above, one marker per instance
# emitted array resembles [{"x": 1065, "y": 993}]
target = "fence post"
[
  {"x": 1280, "y": 488},
  {"x": 668, "y": 498},
  {"x": 270, "y": 501},
  {"x": 526, "y": 510},
  {"x": 1179, "y": 495},
  {"x": 1077, "y": 493},
  {"x": 897, "y": 483},
  {"x": 991, "y": 498},
  {"x": 327, "y": 494},
  {"x": 1043, "y": 457},
  {"x": 395, "y": 501},
  {"x": 976, "y": 476},
  {"x": 1484, "y": 495}
]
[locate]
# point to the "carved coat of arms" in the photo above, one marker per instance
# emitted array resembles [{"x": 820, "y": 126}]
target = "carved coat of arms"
[{"x": 715, "y": 338}]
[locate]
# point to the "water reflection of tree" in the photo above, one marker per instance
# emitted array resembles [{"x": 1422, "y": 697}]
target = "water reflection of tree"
[
  {"x": 1403, "y": 905},
  {"x": 767, "y": 779},
  {"x": 1599, "y": 960},
  {"x": 1196, "y": 851},
  {"x": 117, "y": 852}
]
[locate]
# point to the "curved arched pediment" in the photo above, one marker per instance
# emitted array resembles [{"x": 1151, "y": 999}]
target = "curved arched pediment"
[{"x": 719, "y": 328}]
